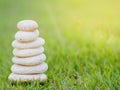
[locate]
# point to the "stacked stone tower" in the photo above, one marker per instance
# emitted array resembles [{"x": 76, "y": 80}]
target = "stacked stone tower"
[{"x": 29, "y": 59}]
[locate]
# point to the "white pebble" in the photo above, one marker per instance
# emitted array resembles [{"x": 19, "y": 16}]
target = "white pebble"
[
  {"x": 25, "y": 45},
  {"x": 28, "y": 52},
  {"x": 32, "y": 77},
  {"x": 35, "y": 60},
  {"x": 19, "y": 69},
  {"x": 27, "y": 25},
  {"x": 22, "y": 36}
]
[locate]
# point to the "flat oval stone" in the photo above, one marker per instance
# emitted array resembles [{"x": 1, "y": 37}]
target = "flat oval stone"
[
  {"x": 22, "y": 36},
  {"x": 26, "y": 45},
  {"x": 37, "y": 69},
  {"x": 27, "y": 25},
  {"x": 35, "y": 60},
  {"x": 31, "y": 77},
  {"x": 28, "y": 52}
]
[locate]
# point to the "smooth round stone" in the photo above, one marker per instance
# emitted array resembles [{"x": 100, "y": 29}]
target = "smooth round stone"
[
  {"x": 32, "y": 77},
  {"x": 25, "y": 45},
  {"x": 28, "y": 52},
  {"x": 22, "y": 36},
  {"x": 35, "y": 60},
  {"x": 27, "y": 25},
  {"x": 19, "y": 69}
]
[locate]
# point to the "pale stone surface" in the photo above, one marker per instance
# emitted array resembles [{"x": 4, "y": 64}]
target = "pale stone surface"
[
  {"x": 35, "y": 60},
  {"x": 28, "y": 52},
  {"x": 22, "y": 36},
  {"x": 27, "y": 25},
  {"x": 32, "y": 77},
  {"x": 25, "y": 45},
  {"x": 29, "y": 59},
  {"x": 19, "y": 69}
]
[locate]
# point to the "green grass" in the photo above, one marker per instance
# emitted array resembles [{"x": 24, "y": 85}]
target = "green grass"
[{"x": 82, "y": 42}]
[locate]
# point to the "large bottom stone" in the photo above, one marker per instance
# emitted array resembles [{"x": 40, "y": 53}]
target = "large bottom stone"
[{"x": 33, "y": 77}]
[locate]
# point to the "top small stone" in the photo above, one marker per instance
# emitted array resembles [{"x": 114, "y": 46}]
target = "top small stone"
[{"x": 27, "y": 25}]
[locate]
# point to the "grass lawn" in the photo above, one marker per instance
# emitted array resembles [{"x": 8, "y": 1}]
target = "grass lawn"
[{"x": 82, "y": 42}]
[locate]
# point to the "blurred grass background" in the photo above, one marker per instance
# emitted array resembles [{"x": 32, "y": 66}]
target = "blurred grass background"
[{"x": 82, "y": 42}]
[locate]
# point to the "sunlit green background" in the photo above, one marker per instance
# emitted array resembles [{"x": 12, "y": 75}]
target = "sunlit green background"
[{"x": 82, "y": 42}]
